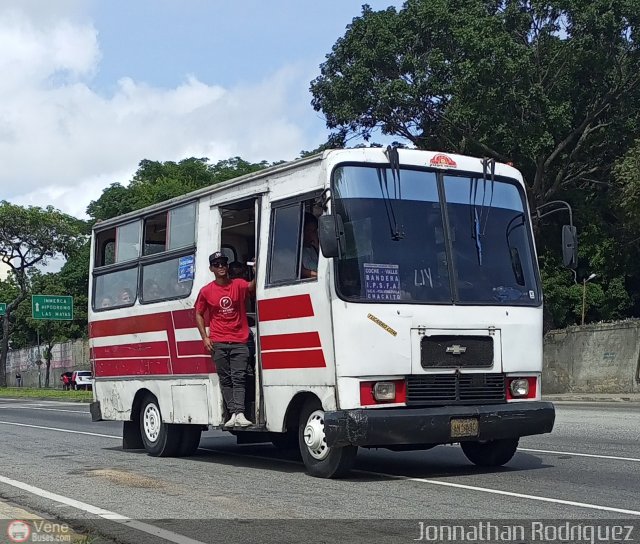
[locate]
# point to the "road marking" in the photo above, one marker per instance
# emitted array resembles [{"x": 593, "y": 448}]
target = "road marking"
[
  {"x": 506, "y": 493},
  {"x": 105, "y": 514},
  {"x": 59, "y": 430},
  {"x": 9, "y": 407},
  {"x": 463, "y": 486},
  {"x": 632, "y": 459}
]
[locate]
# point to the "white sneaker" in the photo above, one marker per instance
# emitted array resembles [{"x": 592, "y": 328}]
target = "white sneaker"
[
  {"x": 242, "y": 421},
  {"x": 232, "y": 421}
]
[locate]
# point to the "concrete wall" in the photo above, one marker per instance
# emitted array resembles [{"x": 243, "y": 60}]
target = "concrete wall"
[
  {"x": 600, "y": 358},
  {"x": 70, "y": 356}
]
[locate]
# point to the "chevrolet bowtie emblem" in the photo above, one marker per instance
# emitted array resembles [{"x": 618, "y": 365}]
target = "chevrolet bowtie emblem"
[{"x": 456, "y": 349}]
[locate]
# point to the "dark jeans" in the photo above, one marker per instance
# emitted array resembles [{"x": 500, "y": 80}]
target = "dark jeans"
[{"x": 231, "y": 363}]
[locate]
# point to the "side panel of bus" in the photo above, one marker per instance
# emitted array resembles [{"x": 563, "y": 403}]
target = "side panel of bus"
[{"x": 295, "y": 326}]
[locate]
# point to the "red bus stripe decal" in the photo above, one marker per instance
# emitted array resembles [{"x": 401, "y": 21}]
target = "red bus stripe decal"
[
  {"x": 191, "y": 347},
  {"x": 141, "y": 350},
  {"x": 132, "y": 367},
  {"x": 185, "y": 319},
  {"x": 290, "y": 341},
  {"x": 273, "y": 309},
  {"x": 293, "y": 359},
  {"x": 131, "y": 325},
  {"x": 193, "y": 365}
]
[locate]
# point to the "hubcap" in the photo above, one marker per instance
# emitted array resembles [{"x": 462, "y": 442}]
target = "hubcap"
[
  {"x": 151, "y": 422},
  {"x": 314, "y": 436}
]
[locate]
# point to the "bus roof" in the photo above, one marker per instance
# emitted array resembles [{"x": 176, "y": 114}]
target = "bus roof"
[
  {"x": 373, "y": 155},
  {"x": 205, "y": 191}
]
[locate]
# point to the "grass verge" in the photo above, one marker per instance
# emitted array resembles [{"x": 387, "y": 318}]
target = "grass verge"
[{"x": 43, "y": 394}]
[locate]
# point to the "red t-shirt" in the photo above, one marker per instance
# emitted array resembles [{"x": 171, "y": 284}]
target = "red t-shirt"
[{"x": 227, "y": 310}]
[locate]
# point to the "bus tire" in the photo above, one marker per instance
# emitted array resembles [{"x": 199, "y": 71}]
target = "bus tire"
[
  {"x": 493, "y": 453},
  {"x": 160, "y": 439},
  {"x": 319, "y": 459},
  {"x": 190, "y": 440}
]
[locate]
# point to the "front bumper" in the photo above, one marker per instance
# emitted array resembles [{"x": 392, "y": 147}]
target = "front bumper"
[{"x": 431, "y": 426}]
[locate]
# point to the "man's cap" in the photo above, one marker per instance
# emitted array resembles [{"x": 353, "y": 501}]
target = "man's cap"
[{"x": 218, "y": 256}]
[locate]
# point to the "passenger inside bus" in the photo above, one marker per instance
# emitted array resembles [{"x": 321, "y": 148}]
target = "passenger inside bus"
[
  {"x": 125, "y": 296},
  {"x": 310, "y": 249}
]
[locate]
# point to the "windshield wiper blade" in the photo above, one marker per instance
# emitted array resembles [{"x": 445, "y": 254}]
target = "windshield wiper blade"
[{"x": 397, "y": 230}]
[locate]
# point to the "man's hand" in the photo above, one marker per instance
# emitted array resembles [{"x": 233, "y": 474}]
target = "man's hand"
[{"x": 208, "y": 344}]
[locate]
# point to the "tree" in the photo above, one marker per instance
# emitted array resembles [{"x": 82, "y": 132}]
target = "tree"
[
  {"x": 157, "y": 181},
  {"x": 552, "y": 86},
  {"x": 28, "y": 237}
]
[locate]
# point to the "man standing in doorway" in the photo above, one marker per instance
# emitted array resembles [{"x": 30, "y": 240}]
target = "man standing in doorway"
[{"x": 225, "y": 300}]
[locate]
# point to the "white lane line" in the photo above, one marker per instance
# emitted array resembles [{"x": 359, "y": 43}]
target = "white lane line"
[
  {"x": 507, "y": 493},
  {"x": 100, "y": 512},
  {"x": 397, "y": 477},
  {"x": 58, "y": 430},
  {"x": 463, "y": 486},
  {"x": 7, "y": 407},
  {"x": 615, "y": 458}
]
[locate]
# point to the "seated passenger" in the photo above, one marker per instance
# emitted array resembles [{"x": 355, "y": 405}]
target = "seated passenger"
[
  {"x": 125, "y": 296},
  {"x": 311, "y": 245}
]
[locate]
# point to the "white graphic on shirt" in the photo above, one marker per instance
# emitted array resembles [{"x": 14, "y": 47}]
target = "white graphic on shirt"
[{"x": 226, "y": 305}]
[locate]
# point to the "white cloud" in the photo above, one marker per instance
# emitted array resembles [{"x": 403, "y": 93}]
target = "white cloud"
[{"x": 61, "y": 142}]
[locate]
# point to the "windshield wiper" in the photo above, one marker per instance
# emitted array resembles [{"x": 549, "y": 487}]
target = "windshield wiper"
[
  {"x": 477, "y": 229},
  {"x": 397, "y": 230}
]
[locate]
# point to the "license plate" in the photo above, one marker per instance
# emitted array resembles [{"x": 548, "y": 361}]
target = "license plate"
[{"x": 464, "y": 427}]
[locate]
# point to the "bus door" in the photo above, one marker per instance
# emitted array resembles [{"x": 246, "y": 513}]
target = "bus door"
[
  {"x": 295, "y": 334},
  {"x": 239, "y": 227}
]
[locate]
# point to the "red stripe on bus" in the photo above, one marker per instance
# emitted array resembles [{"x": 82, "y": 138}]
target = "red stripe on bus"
[
  {"x": 290, "y": 341},
  {"x": 194, "y": 365},
  {"x": 135, "y": 350},
  {"x": 293, "y": 359},
  {"x": 131, "y": 367},
  {"x": 131, "y": 325},
  {"x": 273, "y": 309},
  {"x": 185, "y": 319},
  {"x": 192, "y": 347}
]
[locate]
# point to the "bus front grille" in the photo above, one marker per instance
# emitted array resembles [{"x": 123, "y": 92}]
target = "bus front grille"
[{"x": 439, "y": 389}]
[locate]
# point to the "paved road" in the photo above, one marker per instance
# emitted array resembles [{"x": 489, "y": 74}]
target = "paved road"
[{"x": 587, "y": 469}]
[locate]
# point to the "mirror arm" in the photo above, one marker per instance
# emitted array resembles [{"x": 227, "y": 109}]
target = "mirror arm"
[{"x": 564, "y": 206}]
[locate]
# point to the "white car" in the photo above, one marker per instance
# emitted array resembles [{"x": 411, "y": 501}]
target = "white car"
[{"x": 82, "y": 379}]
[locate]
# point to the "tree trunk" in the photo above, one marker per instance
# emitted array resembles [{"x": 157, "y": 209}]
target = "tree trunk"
[{"x": 4, "y": 350}]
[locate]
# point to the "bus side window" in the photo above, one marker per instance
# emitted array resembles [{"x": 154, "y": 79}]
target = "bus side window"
[{"x": 285, "y": 234}]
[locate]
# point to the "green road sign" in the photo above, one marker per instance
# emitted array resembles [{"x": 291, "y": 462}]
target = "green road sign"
[
  {"x": 53, "y": 307},
  {"x": 3, "y": 308}
]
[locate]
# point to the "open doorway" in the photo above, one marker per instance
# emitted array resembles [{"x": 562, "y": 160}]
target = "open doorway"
[{"x": 238, "y": 243}]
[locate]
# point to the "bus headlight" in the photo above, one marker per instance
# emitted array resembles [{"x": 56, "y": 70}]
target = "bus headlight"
[
  {"x": 519, "y": 388},
  {"x": 384, "y": 391}
]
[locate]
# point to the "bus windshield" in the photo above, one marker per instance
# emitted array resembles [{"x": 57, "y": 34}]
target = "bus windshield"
[{"x": 428, "y": 237}]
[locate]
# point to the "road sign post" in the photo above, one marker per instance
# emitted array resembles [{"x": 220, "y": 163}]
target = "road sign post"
[
  {"x": 3, "y": 308},
  {"x": 52, "y": 307}
]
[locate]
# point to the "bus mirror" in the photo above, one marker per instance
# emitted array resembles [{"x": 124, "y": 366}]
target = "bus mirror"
[
  {"x": 569, "y": 246},
  {"x": 328, "y": 235}
]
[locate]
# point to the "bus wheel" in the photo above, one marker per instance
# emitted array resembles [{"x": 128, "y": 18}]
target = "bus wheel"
[
  {"x": 159, "y": 439},
  {"x": 319, "y": 459},
  {"x": 190, "y": 440},
  {"x": 493, "y": 453}
]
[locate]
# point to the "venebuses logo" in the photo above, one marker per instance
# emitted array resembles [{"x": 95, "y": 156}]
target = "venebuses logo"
[{"x": 18, "y": 531}]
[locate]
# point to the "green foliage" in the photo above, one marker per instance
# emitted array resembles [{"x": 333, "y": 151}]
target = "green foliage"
[
  {"x": 553, "y": 87},
  {"x": 29, "y": 236},
  {"x": 159, "y": 181}
]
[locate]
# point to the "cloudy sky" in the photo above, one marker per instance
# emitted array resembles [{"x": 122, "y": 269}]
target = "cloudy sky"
[{"x": 91, "y": 87}]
